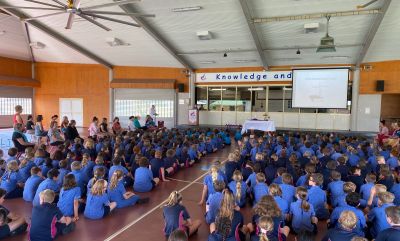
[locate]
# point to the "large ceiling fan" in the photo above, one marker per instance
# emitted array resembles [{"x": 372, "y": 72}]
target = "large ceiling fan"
[
  {"x": 366, "y": 4},
  {"x": 72, "y": 7}
]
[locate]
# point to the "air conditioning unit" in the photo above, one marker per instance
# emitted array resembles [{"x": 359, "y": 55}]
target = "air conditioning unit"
[
  {"x": 311, "y": 28},
  {"x": 204, "y": 35}
]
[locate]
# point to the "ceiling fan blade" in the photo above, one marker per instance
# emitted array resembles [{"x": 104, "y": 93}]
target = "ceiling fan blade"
[
  {"x": 77, "y": 3},
  {"x": 70, "y": 21},
  {"x": 120, "y": 13},
  {"x": 367, "y": 4},
  {"x": 46, "y": 4},
  {"x": 60, "y": 3},
  {"x": 111, "y": 4},
  {"x": 112, "y": 19},
  {"x": 36, "y": 8},
  {"x": 94, "y": 22},
  {"x": 44, "y": 16}
]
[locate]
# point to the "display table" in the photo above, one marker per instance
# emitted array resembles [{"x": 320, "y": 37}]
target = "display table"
[{"x": 261, "y": 125}]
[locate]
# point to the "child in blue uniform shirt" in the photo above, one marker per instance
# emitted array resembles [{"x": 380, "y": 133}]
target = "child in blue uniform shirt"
[
  {"x": 214, "y": 202},
  {"x": 392, "y": 233},
  {"x": 32, "y": 184},
  {"x": 47, "y": 220},
  {"x": 80, "y": 176},
  {"x": 117, "y": 192},
  {"x": 238, "y": 188},
  {"x": 335, "y": 188},
  {"x": 365, "y": 189},
  {"x": 49, "y": 183},
  {"x": 260, "y": 189},
  {"x": 302, "y": 213},
  {"x": 11, "y": 181},
  {"x": 276, "y": 192},
  {"x": 377, "y": 215},
  {"x": 288, "y": 190},
  {"x": 144, "y": 181},
  {"x": 317, "y": 196},
  {"x": 230, "y": 166},
  {"x": 209, "y": 179},
  {"x": 353, "y": 201},
  {"x": 25, "y": 167},
  {"x": 176, "y": 216},
  {"x": 62, "y": 172},
  {"x": 98, "y": 204},
  {"x": 345, "y": 229},
  {"x": 69, "y": 197}
]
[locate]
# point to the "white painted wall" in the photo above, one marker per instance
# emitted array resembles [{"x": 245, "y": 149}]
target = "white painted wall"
[
  {"x": 183, "y": 108},
  {"x": 368, "y": 112}
]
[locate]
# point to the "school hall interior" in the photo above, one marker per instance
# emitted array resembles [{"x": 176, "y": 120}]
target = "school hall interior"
[{"x": 202, "y": 120}]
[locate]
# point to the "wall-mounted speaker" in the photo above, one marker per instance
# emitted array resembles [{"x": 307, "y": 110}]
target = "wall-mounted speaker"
[
  {"x": 181, "y": 88},
  {"x": 380, "y": 85}
]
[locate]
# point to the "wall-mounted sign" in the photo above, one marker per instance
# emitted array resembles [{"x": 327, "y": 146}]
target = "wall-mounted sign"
[
  {"x": 244, "y": 76},
  {"x": 193, "y": 117}
]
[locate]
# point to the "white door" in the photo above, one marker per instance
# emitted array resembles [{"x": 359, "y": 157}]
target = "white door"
[{"x": 73, "y": 109}]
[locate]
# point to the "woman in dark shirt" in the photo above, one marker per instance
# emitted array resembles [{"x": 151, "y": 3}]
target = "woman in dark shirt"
[{"x": 71, "y": 132}]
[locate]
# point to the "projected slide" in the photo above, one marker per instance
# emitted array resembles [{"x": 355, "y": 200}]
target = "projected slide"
[{"x": 320, "y": 88}]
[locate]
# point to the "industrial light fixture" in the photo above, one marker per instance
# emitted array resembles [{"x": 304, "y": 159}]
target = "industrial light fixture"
[
  {"x": 204, "y": 35},
  {"x": 244, "y": 60},
  {"x": 255, "y": 89},
  {"x": 225, "y": 55},
  {"x": 207, "y": 62},
  {"x": 217, "y": 89},
  {"x": 37, "y": 45},
  {"x": 114, "y": 42},
  {"x": 186, "y": 9},
  {"x": 298, "y": 51}
]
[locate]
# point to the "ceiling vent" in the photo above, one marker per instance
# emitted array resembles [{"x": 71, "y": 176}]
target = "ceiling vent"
[
  {"x": 204, "y": 35},
  {"x": 114, "y": 42},
  {"x": 311, "y": 28},
  {"x": 37, "y": 45}
]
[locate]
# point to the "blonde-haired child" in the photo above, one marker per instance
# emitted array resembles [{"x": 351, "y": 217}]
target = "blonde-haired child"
[
  {"x": 98, "y": 204},
  {"x": 213, "y": 175}
]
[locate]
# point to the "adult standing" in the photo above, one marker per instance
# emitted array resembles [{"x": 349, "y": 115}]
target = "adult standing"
[
  {"x": 17, "y": 119},
  {"x": 19, "y": 139}
]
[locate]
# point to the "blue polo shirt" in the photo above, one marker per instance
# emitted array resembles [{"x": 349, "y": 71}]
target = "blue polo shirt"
[
  {"x": 9, "y": 181},
  {"x": 43, "y": 223},
  {"x": 66, "y": 200},
  {"x": 95, "y": 205},
  {"x": 260, "y": 190},
  {"x": 252, "y": 180},
  {"x": 115, "y": 168},
  {"x": 317, "y": 197},
  {"x": 336, "y": 190},
  {"x": 390, "y": 234},
  {"x": 174, "y": 216},
  {"x": 117, "y": 195},
  {"x": 361, "y": 224},
  {"x": 214, "y": 203},
  {"x": 396, "y": 191},
  {"x": 232, "y": 187},
  {"x": 39, "y": 161},
  {"x": 25, "y": 171},
  {"x": 80, "y": 179},
  {"x": 301, "y": 220},
  {"x": 61, "y": 175},
  {"x": 393, "y": 162},
  {"x": 301, "y": 181},
  {"x": 31, "y": 185},
  {"x": 46, "y": 184},
  {"x": 288, "y": 192},
  {"x": 282, "y": 204},
  {"x": 378, "y": 218},
  {"x": 230, "y": 168},
  {"x": 156, "y": 165},
  {"x": 143, "y": 180},
  {"x": 209, "y": 182},
  {"x": 88, "y": 169},
  {"x": 365, "y": 190},
  {"x": 339, "y": 234}
]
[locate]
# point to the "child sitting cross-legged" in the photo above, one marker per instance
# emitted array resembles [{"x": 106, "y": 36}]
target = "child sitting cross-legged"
[
  {"x": 43, "y": 227},
  {"x": 10, "y": 223}
]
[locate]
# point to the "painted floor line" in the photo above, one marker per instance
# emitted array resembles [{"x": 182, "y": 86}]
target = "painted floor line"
[
  {"x": 152, "y": 210},
  {"x": 178, "y": 180}
]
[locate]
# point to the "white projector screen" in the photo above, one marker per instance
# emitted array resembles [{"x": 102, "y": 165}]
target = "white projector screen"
[{"x": 320, "y": 88}]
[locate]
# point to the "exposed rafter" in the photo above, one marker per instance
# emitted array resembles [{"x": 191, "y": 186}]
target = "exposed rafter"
[
  {"x": 28, "y": 40},
  {"x": 257, "y": 41},
  {"x": 372, "y": 32},
  {"x": 152, "y": 32},
  {"x": 316, "y": 16},
  {"x": 58, "y": 37}
]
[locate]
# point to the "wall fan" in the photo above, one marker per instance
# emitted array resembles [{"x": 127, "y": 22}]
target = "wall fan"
[{"x": 72, "y": 7}]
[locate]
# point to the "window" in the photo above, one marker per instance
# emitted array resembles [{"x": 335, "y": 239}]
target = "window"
[
  {"x": 243, "y": 97},
  {"x": 7, "y": 105},
  {"x": 228, "y": 99},
  {"x": 214, "y": 97},
  {"x": 164, "y": 108},
  {"x": 258, "y": 99},
  {"x": 201, "y": 97},
  {"x": 275, "y": 99}
]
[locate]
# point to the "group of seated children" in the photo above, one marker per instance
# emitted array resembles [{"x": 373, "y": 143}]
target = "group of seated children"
[
  {"x": 93, "y": 178},
  {"x": 295, "y": 183}
]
